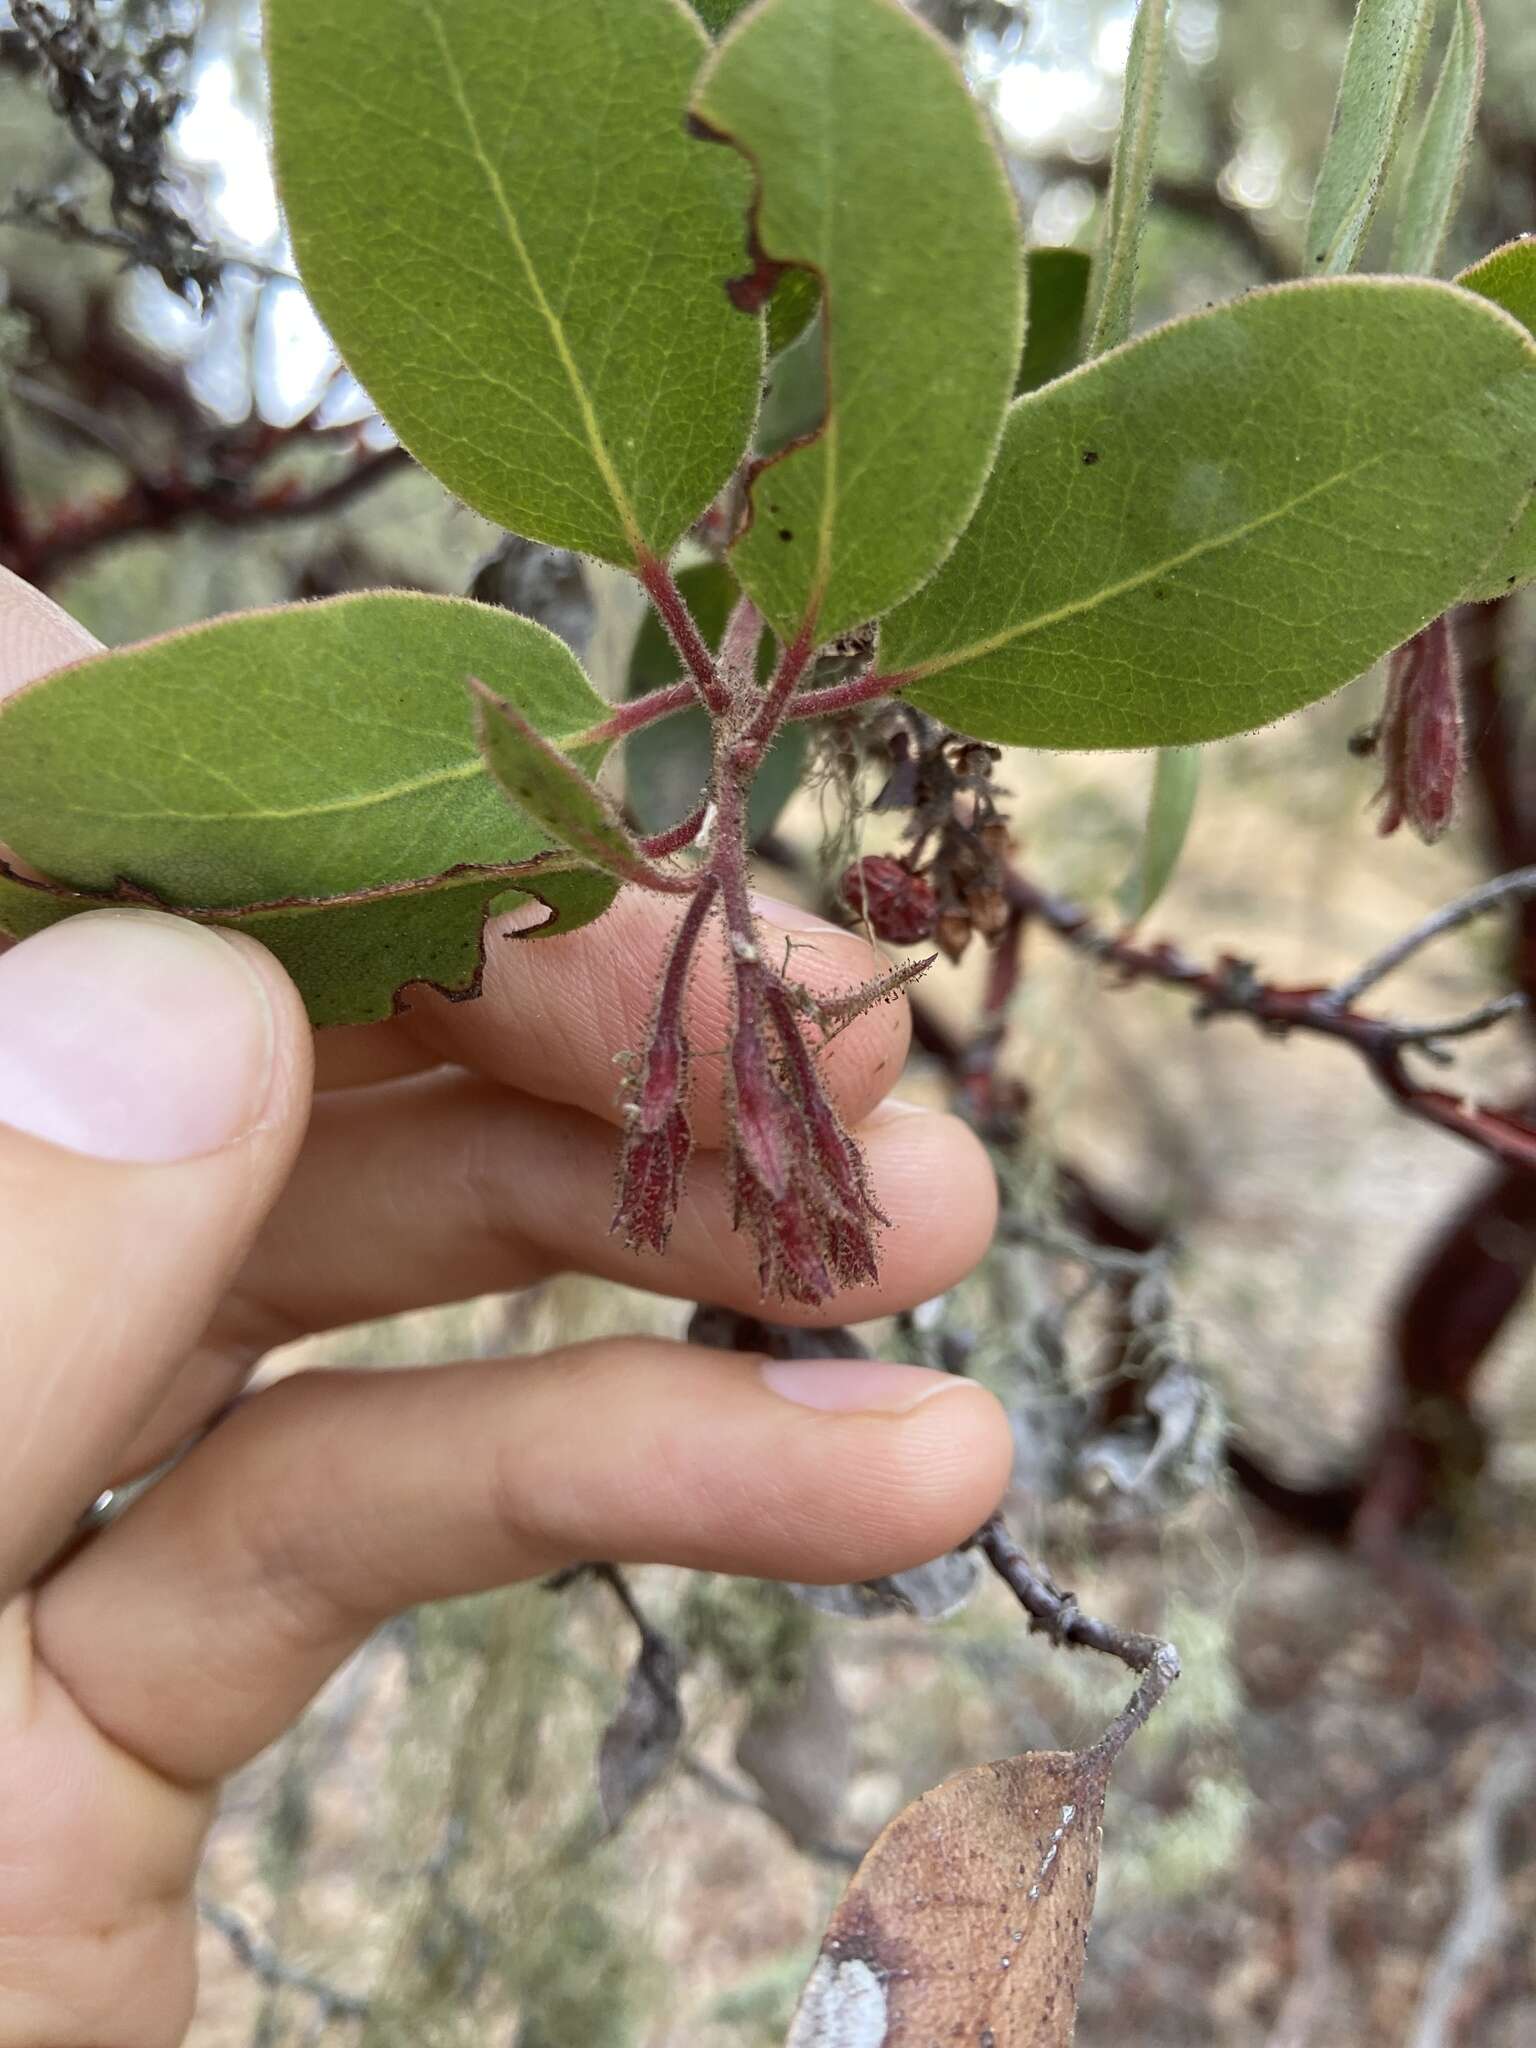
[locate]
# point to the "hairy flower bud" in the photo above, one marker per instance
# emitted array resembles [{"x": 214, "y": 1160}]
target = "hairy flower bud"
[
  {"x": 797, "y": 1178},
  {"x": 897, "y": 905},
  {"x": 1420, "y": 735}
]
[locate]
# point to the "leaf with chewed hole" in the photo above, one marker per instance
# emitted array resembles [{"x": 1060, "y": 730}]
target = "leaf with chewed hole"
[
  {"x": 355, "y": 959},
  {"x": 1508, "y": 278},
  {"x": 968, "y": 1919},
  {"x": 1228, "y": 518},
  {"x": 917, "y": 248},
  {"x": 312, "y": 768},
  {"x": 520, "y": 252}
]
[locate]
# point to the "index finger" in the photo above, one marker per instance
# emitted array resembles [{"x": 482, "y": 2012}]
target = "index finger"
[{"x": 557, "y": 1014}]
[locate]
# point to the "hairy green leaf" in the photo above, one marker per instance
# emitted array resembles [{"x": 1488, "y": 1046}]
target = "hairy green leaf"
[
  {"x": 1508, "y": 278},
  {"x": 792, "y": 308},
  {"x": 717, "y": 15},
  {"x": 1380, "y": 76},
  {"x": 1130, "y": 179},
  {"x": 1227, "y": 518},
  {"x": 666, "y": 766},
  {"x": 1175, "y": 786},
  {"x": 917, "y": 245},
  {"x": 355, "y": 958},
  {"x": 1058, "y": 302},
  {"x": 1432, "y": 183},
  {"x": 520, "y": 252},
  {"x": 546, "y": 785},
  {"x": 311, "y": 763}
]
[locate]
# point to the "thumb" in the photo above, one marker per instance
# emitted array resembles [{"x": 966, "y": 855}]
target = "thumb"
[{"x": 154, "y": 1085}]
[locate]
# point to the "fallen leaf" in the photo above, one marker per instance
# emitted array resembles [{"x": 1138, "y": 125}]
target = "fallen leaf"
[{"x": 967, "y": 1922}]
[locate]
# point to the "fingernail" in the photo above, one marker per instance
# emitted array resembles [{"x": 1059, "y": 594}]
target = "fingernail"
[
  {"x": 789, "y": 917},
  {"x": 854, "y": 1386},
  {"x": 132, "y": 1036}
]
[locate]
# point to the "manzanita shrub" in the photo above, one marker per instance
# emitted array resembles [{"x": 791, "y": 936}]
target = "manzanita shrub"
[{"x": 748, "y": 281}]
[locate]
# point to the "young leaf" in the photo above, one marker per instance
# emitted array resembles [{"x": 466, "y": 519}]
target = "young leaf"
[
  {"x": 1508, "y": 278},
  {"x": 1380, "y": 77},
  {"x": 311, "y": 750},
  {"x": 355, "y": 958},
  {"x": 520, "y": 252},
  {"x": 1175, "y": 786},
  {"x": 917, "y": 247},
  {"x": 1432, "y": 183},
  {"x": 547, "y": 786},
  {"x": 1227, "y": 518},
  {"x": 1130, "y": 178},
  {"x": 1058, "y": 303},
  {"x": 968, "y": 1919},
  {"x": 667, "y": 765}
]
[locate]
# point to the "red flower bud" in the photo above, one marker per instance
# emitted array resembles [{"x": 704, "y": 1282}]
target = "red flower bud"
[
  {"x": 896, "y": 904},
  {"x": 1420, "y": 740}
]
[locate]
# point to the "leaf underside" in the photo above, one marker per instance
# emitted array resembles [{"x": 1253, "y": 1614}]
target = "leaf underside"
[
  {"x": 356, "y": 959},
  {"x": 1228, "y": 518},
  {"x": 521, "y": 254},
  {"x": 918, "y": 250},
  {"x": 1376, "y": 89},
  {"x": 309, "y": 771},
  {"x": 1432, "y": 182}
]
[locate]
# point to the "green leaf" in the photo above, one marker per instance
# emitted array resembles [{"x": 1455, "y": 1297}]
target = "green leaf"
[
  {"x": 794, "y": 392},
  {"x": 1130, "y": 178},
  {"x": 1432, "y": 183},
  {"x": 717, "y": 15},
  {"x": 1227, "y": 518},
  {"x": 355, "y": 958},
  {"x": 1508, "y": 278},
  {"x": 876, "y": 169},
  {"x": 1175, "y": 786},
  {"x": 1376, "y": 89},
  {"x": 317, "y": 761},
  {"x": 547, "y": 786},
  {"x": 1058, "y": 302},
  {"x": 667, "y": 765},
  {"x": 792, "y": 308},
  {"x": 520, "y": 252}
]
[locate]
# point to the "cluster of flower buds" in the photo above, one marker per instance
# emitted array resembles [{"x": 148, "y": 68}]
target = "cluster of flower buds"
[{"x": 798, "y": 1180}]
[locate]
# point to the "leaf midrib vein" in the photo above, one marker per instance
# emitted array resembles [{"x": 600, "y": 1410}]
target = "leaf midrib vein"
[
  {"x": 595, "y": 442},
  {"x": 979, "y": 649}
]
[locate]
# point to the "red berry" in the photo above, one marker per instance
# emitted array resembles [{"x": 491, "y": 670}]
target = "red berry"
[{"x": 896, "y": 904}]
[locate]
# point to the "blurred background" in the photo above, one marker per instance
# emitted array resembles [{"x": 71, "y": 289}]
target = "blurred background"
[{"x": 1265, "y": 1337}]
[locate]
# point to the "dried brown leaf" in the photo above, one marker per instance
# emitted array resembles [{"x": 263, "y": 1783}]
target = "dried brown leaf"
[{"x": 967, "y": 1922}]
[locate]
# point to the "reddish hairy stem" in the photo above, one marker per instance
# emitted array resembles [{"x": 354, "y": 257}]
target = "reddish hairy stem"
[
  {"x": 770, "y": 713},
  {"x": 638, "y": 713},
  {"x": 672, "y": 610},
  {"x": 674, "y": 981},
  {"x": 864, "y": 689},
  {"x": 677, "y": 836}
]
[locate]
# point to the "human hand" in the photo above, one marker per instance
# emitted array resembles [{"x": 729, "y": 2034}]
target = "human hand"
[{"x": 174, "y": 1200}]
